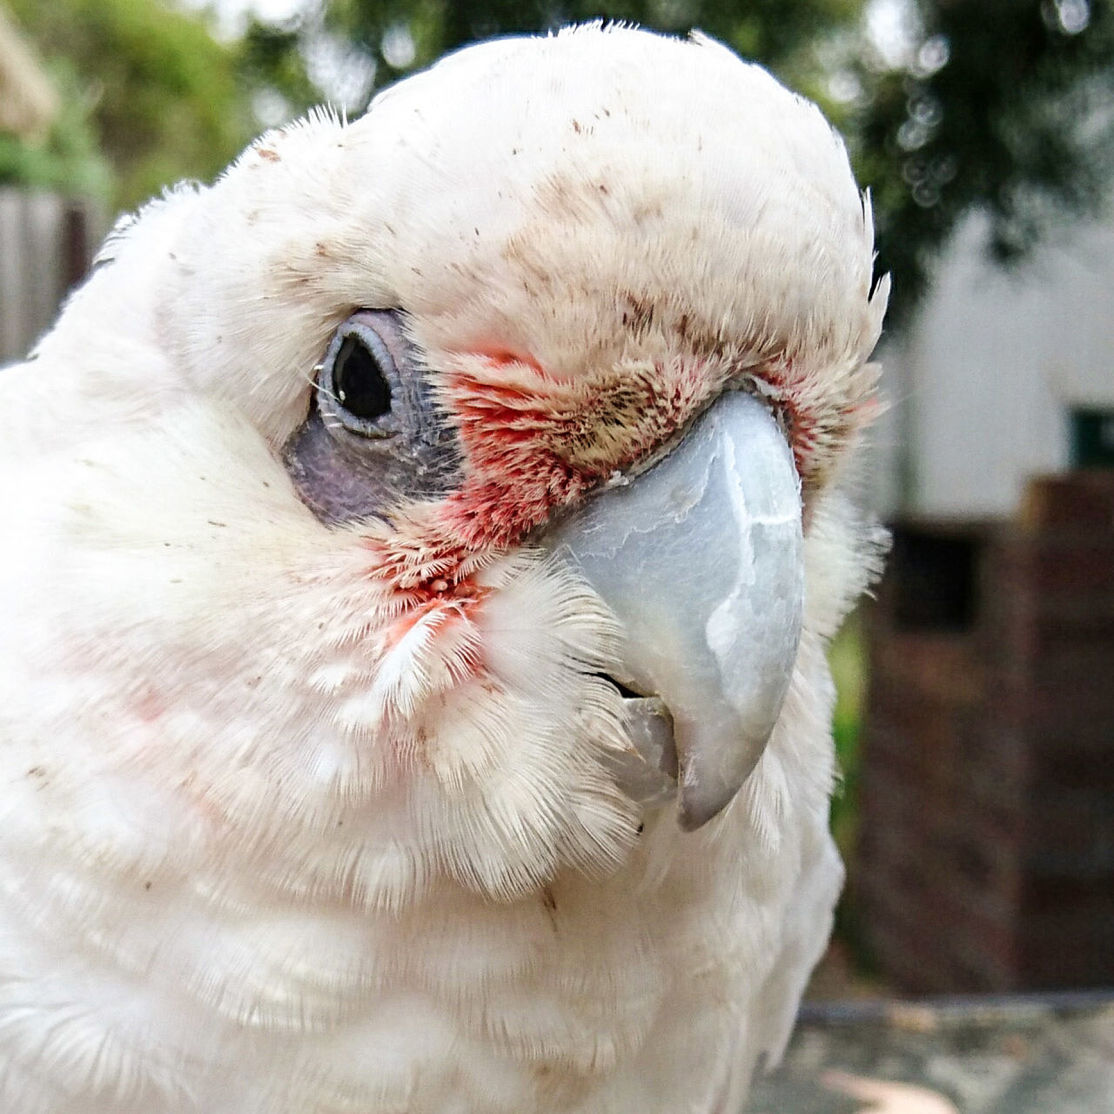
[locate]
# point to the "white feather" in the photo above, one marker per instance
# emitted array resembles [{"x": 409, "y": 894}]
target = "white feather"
[{"x": 258, "y": 857}]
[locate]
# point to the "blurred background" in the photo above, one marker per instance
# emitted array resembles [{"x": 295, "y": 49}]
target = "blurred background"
[{"x": 976, "y": 715}]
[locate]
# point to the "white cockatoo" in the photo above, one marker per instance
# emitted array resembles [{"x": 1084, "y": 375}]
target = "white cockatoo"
[{"x": 420, "y": 548}]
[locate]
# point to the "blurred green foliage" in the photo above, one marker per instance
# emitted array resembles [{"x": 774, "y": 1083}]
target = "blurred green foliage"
[
  {"x": 69, "y": 157},
  {"x": 847, "y": 658},
  {"x": 1002, "y": 106},
  {"x": 779, "y": 33},
  {"x": 158, "y": 94}
]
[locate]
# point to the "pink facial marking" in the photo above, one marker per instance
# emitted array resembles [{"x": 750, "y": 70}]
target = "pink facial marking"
[
  {"x": 423, "y": 566},
  {"x": 532, "y": 443},
  {"x": 450, "y": 612},
  {"x": 511, "y": 436},
  {"x": 505, "y": 357}
]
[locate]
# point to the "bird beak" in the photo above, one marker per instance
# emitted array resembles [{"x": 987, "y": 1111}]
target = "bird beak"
[{"x": 700, "y": 559}]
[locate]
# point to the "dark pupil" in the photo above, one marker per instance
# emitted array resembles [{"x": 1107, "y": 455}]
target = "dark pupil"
[{"x": 358, "y": 381}]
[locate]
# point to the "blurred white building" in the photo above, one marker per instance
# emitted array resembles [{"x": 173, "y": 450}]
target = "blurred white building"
[{"x": 1002, "y": 374}]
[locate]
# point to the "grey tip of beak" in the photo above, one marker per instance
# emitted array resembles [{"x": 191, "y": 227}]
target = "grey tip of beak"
[
  {"x": 695, "y": 812},
  {"x": 698, "y": 804},
  {"x": 693, "y": 816}
]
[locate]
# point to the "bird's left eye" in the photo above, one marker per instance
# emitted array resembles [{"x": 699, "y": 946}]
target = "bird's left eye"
[{"x": 355, "y": 380}]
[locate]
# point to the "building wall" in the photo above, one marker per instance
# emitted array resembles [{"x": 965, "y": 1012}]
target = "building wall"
[{"x": 982, "y": 384}]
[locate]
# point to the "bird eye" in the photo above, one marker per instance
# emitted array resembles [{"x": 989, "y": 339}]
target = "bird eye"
[
  {"x": 374, "y": 435},
  {"x": 358, "y": 378}
]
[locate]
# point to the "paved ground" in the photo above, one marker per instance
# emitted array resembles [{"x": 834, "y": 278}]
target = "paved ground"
[{"x": 1042, "y": 1055}]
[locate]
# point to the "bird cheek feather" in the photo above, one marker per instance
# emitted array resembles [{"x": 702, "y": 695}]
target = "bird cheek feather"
[{"x": 428, "y": 650}]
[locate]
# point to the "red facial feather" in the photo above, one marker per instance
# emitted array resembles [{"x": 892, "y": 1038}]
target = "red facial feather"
[
  {"x": 534, "y": 443},
  {"x": 449, "y": 608}
]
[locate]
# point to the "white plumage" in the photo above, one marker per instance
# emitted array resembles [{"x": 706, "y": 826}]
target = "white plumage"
[{"x": 311, "y": 817}]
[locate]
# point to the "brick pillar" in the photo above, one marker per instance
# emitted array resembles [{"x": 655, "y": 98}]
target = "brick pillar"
[{"x": 986, "y": 858}]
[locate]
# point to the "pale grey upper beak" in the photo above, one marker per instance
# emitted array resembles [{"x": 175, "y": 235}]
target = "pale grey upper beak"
[{"x": 700, "y": 559}]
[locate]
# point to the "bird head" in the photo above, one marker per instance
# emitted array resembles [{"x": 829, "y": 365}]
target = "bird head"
[{"x": 549, "y": 364}]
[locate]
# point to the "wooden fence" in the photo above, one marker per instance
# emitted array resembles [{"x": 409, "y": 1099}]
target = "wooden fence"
[{"x": 46, "y": 244}]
